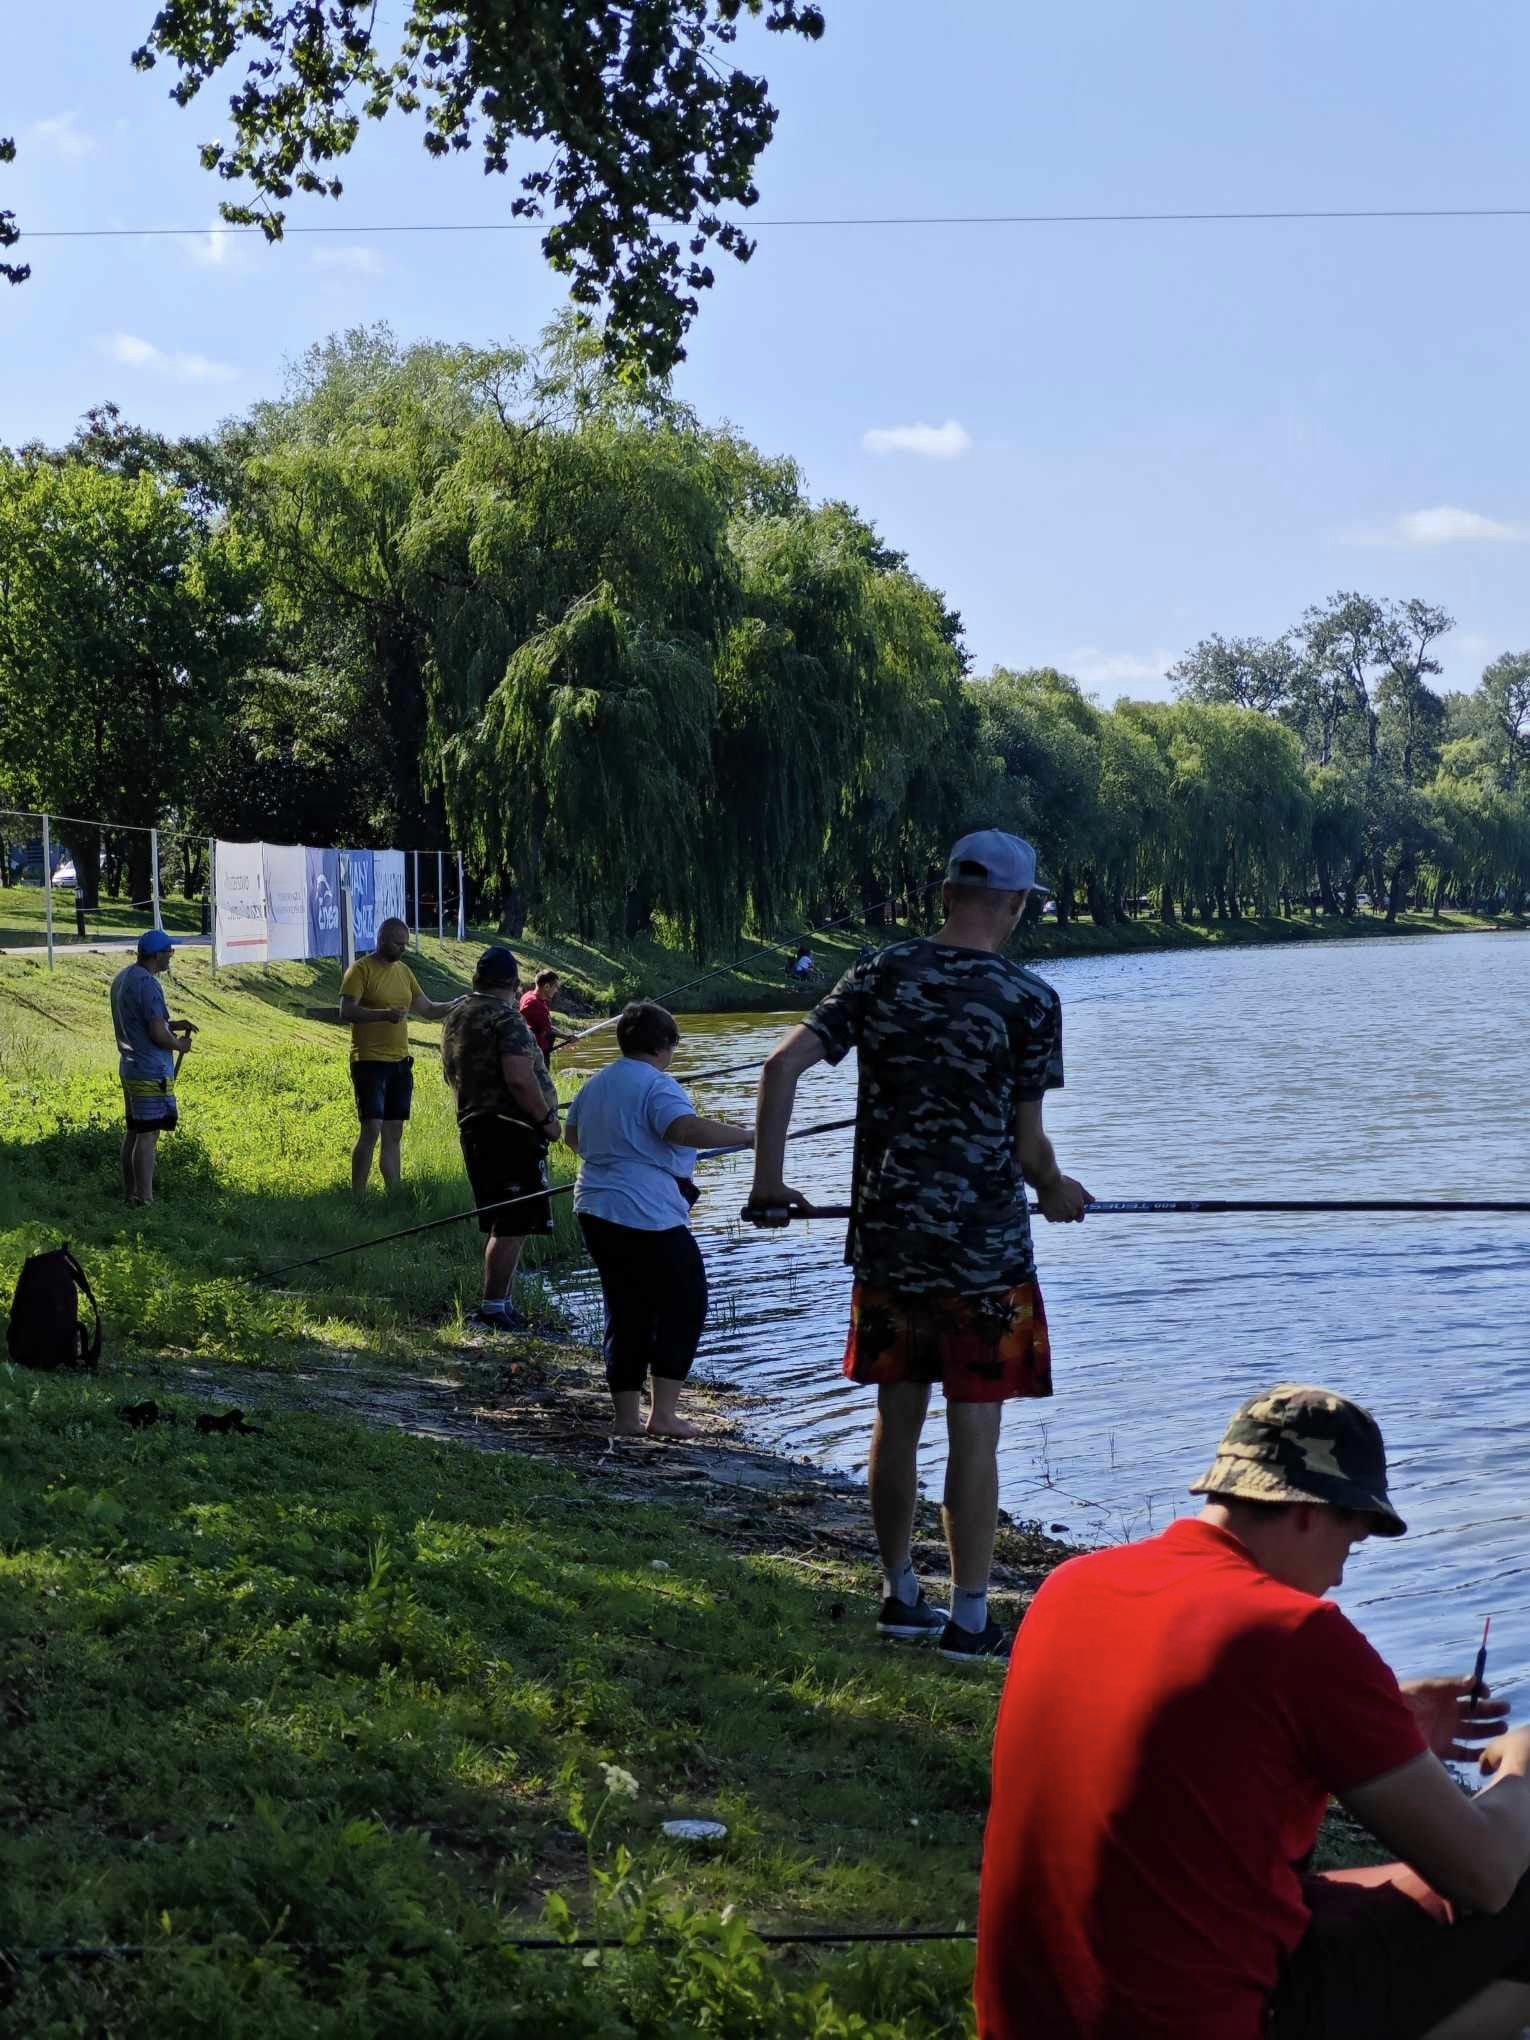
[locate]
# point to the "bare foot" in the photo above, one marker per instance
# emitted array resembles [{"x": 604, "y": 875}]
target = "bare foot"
[
  {"x": 673, "y": 1427},
  {"x": 626, "y": 1430}
]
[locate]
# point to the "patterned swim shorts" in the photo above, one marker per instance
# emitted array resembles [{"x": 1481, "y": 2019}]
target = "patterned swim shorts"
[
  {"x": 149, "y": 1105},
  {"x": 980, "y": 1348}
]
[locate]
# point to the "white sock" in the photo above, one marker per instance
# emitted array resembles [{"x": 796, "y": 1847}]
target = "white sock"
[
  {"x": 902, "y": 1584},
  {"x": 969, "y": 1608}
]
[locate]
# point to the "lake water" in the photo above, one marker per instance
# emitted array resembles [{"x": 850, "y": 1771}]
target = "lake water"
[{"x": 1344, "y": 1069}]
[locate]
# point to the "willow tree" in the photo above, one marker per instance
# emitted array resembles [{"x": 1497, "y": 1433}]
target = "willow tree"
[
  {"x": 588, "y": 771},
  {"x": 794, "y": 677}
]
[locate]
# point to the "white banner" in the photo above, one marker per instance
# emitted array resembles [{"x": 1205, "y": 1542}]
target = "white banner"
[
  {"x": 388, "y": 886},
  {"x": 239, "y": 933},
  {"x": 286, "y": 876}
]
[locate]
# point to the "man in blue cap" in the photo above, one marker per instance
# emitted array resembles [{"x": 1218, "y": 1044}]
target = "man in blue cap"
[
  {"x": 149, "y": 1047},
  {"x": 958, "y": 1047}
]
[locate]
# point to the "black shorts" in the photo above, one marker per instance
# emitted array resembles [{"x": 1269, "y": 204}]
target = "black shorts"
[
  {"x": 384, "y": 1090},
  {"x": 505, "y": 1159},
  {"x": 1385, "y": 1958}
]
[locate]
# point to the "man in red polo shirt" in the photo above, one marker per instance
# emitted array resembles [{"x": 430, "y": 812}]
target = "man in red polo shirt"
[
  {"x": 536, "y": 1011},
  {"x": 1178, "y": 1714}
]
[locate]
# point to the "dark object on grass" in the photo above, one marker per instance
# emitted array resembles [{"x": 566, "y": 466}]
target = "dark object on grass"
[
  {"x": 231, "y": 1420},
  {"x": 45, "y": 1329},
  {"x": 142, "y": 1414}
]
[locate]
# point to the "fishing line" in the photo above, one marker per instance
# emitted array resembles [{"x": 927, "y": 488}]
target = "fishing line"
[
  {"x": 139, "y": 1951},
  {"x": 769, "y": 1217},
  {"x": 504, "y": 1204}
]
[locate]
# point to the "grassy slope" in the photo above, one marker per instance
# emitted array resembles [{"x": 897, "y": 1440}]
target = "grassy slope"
[
  {"x": 335, "y": 1701},
  {"x": 330, "y": 1686},
  {"x": 340, "y": 1687}
]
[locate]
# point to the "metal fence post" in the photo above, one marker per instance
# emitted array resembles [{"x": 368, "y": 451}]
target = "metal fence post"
[
  {"x": 416, "y": 856},
  {"x": 440, "y": 899},
  {"x": 48, "y": 885},
  {"x": 461, "y": 902},
  {"x": 212, "y": 901},
  {"x": 347, "y": 928},
  {"x": 154, "y": 875}
]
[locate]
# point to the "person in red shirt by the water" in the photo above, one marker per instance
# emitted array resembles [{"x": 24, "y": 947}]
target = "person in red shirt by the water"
[
  {"x": 536, "y": 1011},
  {"x": 1178, "y": 1714}
]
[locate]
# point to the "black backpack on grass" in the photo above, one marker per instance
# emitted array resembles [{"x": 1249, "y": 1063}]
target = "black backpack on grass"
[{"x": 45, "y": 1329}]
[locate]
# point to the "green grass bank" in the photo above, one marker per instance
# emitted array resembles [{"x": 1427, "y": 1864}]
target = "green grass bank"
[
  {"x": 314, "y": 1723},
  {"x": 738, "y": 980}
]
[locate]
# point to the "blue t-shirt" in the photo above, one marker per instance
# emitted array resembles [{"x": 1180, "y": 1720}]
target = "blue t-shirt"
[
  {"x": 137, "y": 998},
  {"x": 628, "y": 1172}
]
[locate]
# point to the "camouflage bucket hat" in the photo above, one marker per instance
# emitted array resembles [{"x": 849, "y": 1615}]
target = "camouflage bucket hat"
[{"x": 1297, "y": 1443}]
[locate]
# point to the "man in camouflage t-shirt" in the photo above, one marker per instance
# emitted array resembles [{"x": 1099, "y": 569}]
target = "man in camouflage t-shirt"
[
  {"x": 958, "y": 1046},
  {"x": 507, "y": 1116}
]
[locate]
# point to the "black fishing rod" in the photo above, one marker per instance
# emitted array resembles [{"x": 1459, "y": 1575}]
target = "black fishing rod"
[
  {"x": 722, "y": 970},
  {"x": 505, "y": 1204},
  {"x": 771, "y": 1216}
]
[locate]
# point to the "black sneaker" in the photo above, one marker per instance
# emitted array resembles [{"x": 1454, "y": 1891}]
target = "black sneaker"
[
  {"x": 911, "y": 1621},
  {"x": 967, "y": 1646},
  {"x": 496, "y": 1321}
]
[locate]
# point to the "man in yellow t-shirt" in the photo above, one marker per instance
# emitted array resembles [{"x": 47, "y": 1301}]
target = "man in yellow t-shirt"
[{"x": 377, "y": 995}]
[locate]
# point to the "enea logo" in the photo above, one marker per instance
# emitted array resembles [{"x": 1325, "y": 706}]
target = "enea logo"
[{"x": 326, "y": 908}]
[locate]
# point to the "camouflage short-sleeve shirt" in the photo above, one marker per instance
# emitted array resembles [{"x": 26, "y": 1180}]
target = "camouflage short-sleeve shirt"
[
  {"x": 950, "y": 1042},
  {"x": 474, "y": 1037}
]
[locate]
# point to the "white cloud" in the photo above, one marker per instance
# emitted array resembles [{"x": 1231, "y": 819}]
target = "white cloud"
[
  {"x": 1444, "y": 525},
  {"x": 1092, "y": 667},
  {"x": 931, "y": 442},
  {"x": 129, "y": 351},
  {"x": 215, "y": 250},
  {"x": 354, "y": 261},
  {"x": 62, "y": 134}
]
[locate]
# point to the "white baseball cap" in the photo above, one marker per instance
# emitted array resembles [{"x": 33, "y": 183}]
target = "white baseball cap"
[{"x": 1008, "y": 863}]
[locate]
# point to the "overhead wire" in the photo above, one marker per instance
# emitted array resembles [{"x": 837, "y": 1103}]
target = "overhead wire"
[{"x": 840, "y": 222}]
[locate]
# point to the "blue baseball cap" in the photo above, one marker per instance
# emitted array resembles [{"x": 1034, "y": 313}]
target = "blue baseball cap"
[
  {"x": 1004, "y": 863},
  {"x": 154, "y": 942}
]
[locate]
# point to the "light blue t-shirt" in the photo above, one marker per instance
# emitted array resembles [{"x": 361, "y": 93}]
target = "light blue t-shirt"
[
  {"x": 628, "y": 1172},
  {"x": 137, "y": 998}
]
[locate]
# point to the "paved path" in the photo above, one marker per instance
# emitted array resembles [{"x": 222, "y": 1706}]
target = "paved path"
[{"x": 70, "y": 947}]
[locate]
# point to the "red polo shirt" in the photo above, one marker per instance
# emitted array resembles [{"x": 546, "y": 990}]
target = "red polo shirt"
[
  {"x": 1173, "y": 1726},
  {"x": 537, "y": 1015}
]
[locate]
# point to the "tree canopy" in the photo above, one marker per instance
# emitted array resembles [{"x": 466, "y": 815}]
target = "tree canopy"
[
  {"x": 645, "y": 134},
  {"x": 499, "y": 599}
]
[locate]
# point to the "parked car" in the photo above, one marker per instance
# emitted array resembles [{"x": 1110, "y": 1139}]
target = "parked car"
[{"x": 65, "y": 874}]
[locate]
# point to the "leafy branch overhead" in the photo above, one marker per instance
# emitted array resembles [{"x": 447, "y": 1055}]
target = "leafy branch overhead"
[
  {"x": 10, "y": 233},
  {"x": 647, "y": 133}
]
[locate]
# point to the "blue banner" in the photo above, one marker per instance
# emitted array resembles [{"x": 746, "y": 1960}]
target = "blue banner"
[
  {"x": 323, "y": 902},
  {"x": 357, "y": 871}
]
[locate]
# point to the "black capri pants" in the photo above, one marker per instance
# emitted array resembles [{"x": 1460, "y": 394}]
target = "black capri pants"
[{"x": 655, "y": 1290}]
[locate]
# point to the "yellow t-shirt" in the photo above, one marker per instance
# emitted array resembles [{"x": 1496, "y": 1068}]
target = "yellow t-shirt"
[{"x": 371, "y": 982}]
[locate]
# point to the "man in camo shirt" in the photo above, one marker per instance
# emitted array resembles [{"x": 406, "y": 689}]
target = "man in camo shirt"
[
  {"x": 507, "y": 1117},
  {"x": 958, "y": 1047}
]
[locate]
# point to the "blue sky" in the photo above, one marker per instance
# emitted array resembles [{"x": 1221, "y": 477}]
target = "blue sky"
[{"x": 1138, "y": 434}]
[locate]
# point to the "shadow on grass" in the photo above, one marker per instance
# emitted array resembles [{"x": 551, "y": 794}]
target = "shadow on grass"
[{"x": 195, "y": 1270}]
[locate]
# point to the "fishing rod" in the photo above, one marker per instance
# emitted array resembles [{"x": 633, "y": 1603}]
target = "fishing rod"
[
  {"x": 772, "y": 1216},
  {"x": 504, "y": 1204},
  {"x": 722, "y": 970}
]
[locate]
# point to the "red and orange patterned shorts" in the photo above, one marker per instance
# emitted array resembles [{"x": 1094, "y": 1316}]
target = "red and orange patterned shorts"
[{"x": 980, "y": 1348}]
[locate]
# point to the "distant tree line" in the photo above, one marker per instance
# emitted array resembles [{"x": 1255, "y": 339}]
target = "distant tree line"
[{"x": 503, "y": 599}]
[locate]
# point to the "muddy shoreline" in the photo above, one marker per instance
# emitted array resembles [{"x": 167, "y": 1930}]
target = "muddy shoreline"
[{"x": 549, "y": 1403}]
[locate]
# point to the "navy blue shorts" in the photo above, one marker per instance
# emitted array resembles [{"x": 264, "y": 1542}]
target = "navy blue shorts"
[{"x": 384, "y": 1090}]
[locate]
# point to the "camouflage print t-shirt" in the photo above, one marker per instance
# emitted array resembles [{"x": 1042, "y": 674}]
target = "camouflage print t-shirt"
[
  {"x": 474, "y": 1037},
  {"x": 950, "y": 1041}
]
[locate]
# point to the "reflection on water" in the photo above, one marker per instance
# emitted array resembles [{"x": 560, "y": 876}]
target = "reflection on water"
[{"x": 1380, "y": 1067}]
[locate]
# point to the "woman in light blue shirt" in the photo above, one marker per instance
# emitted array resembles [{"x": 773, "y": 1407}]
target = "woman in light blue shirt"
[{"x": 636, "y": 1133}]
